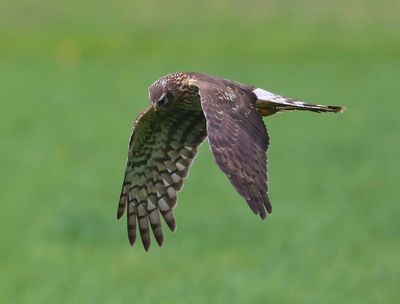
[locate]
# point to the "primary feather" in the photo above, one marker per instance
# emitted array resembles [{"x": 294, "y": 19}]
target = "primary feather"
[{"x": 186, "y": 108}]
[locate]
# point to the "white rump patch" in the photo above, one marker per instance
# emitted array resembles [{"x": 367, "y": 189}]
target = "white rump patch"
[
  {"x": 274, "y": 98},
  {"x": 264, "y": 95},
  {"x": 271, "y": 97}
]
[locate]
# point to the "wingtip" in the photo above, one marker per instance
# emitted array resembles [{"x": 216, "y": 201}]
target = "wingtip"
[
  {"x": 172, "y": 225},
  {"x": 170, "y": 220},
  {"x": 262, "y": 213},
  {"x": 131, "y": 227},
  {"x": 119, "y": 213},
  {"x": 158, "y": 235},
  {"x": 132, "y": 239},
  {"x": 146, "y": 245},
  {"x": 268, "y": 207},
  {"x": 160, "y": 241}
]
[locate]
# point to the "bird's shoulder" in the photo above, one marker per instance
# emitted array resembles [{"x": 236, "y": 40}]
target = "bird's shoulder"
[{"x": 209, "y": 81}]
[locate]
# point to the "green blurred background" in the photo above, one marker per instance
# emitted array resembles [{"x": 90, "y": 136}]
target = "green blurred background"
[{"x": 74, "y": 75}]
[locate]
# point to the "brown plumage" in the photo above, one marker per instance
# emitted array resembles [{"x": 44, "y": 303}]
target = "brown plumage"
[{"x": 185, "y": 109}]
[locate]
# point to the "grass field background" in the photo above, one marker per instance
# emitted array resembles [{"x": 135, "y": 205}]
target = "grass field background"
[{"x": 74, "y": 75}]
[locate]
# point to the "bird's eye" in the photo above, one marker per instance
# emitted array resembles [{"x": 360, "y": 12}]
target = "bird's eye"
[{"x": 162, "y": 100}]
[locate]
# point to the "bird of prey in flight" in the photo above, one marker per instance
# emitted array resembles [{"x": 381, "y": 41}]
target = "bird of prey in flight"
[{"x": 185, "y": 109}]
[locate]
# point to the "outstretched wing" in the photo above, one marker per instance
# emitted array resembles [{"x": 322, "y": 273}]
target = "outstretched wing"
[
  {"x": 161, "y": 150},
  {"x": 238, "y": 140}
]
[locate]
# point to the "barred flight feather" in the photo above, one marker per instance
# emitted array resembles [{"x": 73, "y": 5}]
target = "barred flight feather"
[
  {"x": 161, "y": 150},
  {"x": 163, "y": 144}
]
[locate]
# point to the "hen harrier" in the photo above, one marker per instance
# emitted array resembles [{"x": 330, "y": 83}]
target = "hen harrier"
[{"x": 185, "y": 109}]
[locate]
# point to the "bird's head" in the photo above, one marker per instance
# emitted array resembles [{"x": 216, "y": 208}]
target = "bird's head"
[{"x": 166, "y": 91}]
